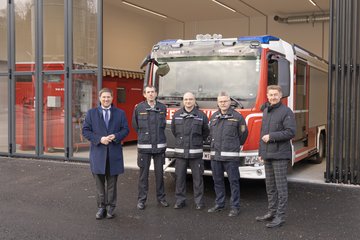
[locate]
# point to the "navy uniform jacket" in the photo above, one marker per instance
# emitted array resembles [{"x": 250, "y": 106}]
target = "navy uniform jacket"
[
  {"x": 190, "y": 130},
  {"x": 228, "y": 133},
  {"x": 94, "y": 128},
  {"x": 279, "y": 122},
  {"x": 150, "y": 123}
]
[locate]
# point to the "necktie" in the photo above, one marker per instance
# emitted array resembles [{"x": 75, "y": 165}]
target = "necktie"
[{"x": 106, "y": 117}]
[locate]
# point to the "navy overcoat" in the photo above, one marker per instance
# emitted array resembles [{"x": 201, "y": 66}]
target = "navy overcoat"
[{"x": 94, "y": 128}]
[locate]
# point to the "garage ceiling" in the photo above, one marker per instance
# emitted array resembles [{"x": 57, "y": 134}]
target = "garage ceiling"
[{"x": 205, "y": 10}]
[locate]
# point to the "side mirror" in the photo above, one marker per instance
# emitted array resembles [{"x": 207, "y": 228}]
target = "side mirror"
[
  {"x": 163, "y": 69},
  {"x": 144, "y": 62}
]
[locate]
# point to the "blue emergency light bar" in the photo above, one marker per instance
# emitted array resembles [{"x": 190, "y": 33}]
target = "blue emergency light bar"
[
  {"x": 168, "y": 41},
  {"x": 262, "y": 39}
]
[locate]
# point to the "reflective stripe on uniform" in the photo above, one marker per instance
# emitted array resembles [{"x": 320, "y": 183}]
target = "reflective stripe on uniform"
[
  {"x": 226, "y": 154},
  {"x": 195, "y": 151},
  {"x": 161, "y": 145},
  {"x": 145, "y": 146},
  {"x": 230, "y": 154},
  {"x": 180, "y": 150},
  {"x": 149, "y": 146}
]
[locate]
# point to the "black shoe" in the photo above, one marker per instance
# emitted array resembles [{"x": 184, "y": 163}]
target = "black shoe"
[
  {"x": 216, "y": 208},
  {"x": 199, "y": 206},
  {"x": 141, "y": 205},
  {"x": 266, "y": 217},
  {"x": 110, "y": 213},
  {"x": 276, "y": 222},
  {"x": 234, "y": 212},
  {"x": 164, "y": 203},
  {"x": 101, "y": 213},
  {"x": 179, "y": 205}
]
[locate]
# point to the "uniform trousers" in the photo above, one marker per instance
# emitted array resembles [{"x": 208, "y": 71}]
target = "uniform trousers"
[
  {"x": 276, "y": 185},
  {"x": 144, "y": 161},
  {"x": 106, "y": 181},
  {"x": 232, "y": 170},
  {"x": 197, "y": 170}
]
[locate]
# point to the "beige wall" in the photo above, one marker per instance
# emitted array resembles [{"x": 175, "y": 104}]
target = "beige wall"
[
  {"x": 309, "y": 36},
  {"x": 129, "y": 36},
  {"x": 227, "y": 28}
]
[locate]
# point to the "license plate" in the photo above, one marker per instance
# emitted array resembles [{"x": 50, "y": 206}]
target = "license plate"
[{"x": 206, "y": 155}]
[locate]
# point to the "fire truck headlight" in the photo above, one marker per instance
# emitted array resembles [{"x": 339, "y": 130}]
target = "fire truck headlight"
[{"x": 253, "y": 160}]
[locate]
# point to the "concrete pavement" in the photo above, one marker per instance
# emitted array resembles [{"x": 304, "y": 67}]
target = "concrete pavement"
[{"x": 56, "y": 200}]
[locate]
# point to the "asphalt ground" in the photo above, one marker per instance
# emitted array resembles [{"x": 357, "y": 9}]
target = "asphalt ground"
[{"x": 56, "y": 200}]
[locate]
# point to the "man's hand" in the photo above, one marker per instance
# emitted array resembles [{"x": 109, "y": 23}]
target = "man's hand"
[
  {"x": 111, "y": 137},
  {"x": 105, "y": 140},
  {"x": 266, "y": 138},
  {"x": 108, "y": 139}
]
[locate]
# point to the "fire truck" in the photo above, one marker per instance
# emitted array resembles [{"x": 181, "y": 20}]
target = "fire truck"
[
  {"x": 127, "y": 89},
  {"x": 243, "y": 67}
]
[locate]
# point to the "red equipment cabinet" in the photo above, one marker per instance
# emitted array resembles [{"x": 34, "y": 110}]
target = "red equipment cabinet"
[
  {"x": 128, "y": 91},
  {"x": 126, "y": 85}
]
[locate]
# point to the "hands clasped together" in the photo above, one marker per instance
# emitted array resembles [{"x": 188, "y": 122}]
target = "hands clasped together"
[{"x": 107, "y": 139}]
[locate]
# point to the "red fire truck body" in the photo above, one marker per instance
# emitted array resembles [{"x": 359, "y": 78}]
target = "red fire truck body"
[{"x": 243, "y": 67}]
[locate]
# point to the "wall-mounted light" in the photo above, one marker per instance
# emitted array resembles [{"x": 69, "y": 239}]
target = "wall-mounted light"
[
  {"x": 144, "y": 9},
  {"x": 312, "y": 2},
  {"x": 225, "y": 6}
]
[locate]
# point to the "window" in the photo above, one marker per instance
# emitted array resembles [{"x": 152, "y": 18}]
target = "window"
[{"x": 121, "y": 95}]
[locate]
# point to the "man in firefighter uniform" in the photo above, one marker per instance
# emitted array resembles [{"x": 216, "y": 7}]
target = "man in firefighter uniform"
[
  {"x": 228, "y": 132},
  {"x": 277, "y": 129},
  {"x": 190, "y": 128},
  {"x": 149, "y": 121}
]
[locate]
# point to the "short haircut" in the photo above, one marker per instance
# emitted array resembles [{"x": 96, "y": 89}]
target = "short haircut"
[
  {"x": 103, "y": 90},
  {"x": 149, "y": 86},
  {"x": 189, "y": 93},
  {"x": 274, "y": 87},
  {"x": 223, "y": 94}
]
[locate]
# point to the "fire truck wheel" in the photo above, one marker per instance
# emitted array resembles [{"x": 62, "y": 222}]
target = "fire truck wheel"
[{"x": 320, "y": 156}]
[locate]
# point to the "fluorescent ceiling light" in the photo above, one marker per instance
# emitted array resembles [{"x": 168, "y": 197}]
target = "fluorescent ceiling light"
[
  {"x": 144, "y": 9},
  {"x": 312, "y": 2},
  {"x": 225, "y": 6}
]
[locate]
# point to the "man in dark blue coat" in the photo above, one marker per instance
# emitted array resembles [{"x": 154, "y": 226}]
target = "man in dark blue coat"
[
  {"x": 105, "y": 127},
  {"x": 277, "y": 130}
]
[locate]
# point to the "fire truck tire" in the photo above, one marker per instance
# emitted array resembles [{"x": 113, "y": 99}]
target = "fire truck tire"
[{"x": 320, "y": 156}]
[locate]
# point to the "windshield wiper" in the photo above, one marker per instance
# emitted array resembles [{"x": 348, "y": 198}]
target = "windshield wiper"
[{"x": 238, "y": 103}]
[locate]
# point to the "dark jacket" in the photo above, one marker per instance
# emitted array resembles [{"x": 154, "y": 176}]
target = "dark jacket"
[
  {"x": 190, "y": 130},
  {"x": 228, "y": 133},
  {"x": 94, "y": 128},
  {"x": 279, "y": 122},
  {"x": 150, "y": 123}
]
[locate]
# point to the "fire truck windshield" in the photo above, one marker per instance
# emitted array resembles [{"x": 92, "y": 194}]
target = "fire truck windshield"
[{"x": 207, "y": 76}]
